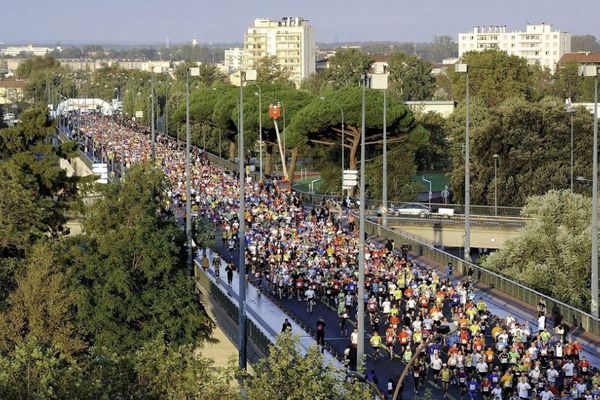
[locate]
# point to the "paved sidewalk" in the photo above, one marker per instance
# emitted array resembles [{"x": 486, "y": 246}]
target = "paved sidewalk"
[{"x": 261, "y": 310}]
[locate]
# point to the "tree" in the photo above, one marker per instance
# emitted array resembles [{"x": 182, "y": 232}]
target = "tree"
[
  {"x": 401, "y": 169},
  {"x": 268, "y": 69},
  {"x": 167, "y": 371},
  {"x": 433, "y": 155},
  {"x": 319, "y": 123},
  {"x": 128, "y": 266},
  {"x": 36, "y": 64},
  {"x": 530, "y": 139},
  {"x": 585, "y": 43},
  {"x": 347, "y": 66},
  {"x": 316, "y": 83},
  {"x": 35, "y": 191},
  {"x": 41, "y": 306},
  {"x": 493, "y": 76},
  {"x": 543, "y": 81},
  {"x": 34, "y": 371},
  {"x": 568, "y": 82},
  {"x": 209, "y": 73},
  {"x": 410, "y": 77},
  {"x": 442, "y": 47},
  {"x": 551, "y": 254},
  {"x": 311, "y": 377}
]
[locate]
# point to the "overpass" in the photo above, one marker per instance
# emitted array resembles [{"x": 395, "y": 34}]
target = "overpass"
[{"x": 486, "y": 232}]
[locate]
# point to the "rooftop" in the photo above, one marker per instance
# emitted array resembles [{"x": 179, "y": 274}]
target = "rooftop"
[{"x": 581, "y": 58}]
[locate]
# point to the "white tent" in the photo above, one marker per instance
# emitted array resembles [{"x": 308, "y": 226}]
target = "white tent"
[{"x": 84, "y": 105}]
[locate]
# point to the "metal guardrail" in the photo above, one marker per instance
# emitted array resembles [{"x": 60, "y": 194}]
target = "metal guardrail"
[
  {"x": 455, "y": 219},
  {"x": 253, "y": 331},
  {"x": 515, "y": 289},
  {"x": 84, "y": 158},
  {"x": 495, "y": 280}
]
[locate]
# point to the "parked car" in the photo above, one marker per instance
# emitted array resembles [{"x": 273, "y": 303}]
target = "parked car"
[{"x": 416, "y": 209}]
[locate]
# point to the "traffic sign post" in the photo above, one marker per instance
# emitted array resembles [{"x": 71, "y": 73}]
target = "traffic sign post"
[
  {"x": 350, "y": 178},
  {"x": 445, "y": 194}
]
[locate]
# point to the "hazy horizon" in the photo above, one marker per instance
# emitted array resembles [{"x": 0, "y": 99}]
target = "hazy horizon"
[{"x": 149, "y": 22}]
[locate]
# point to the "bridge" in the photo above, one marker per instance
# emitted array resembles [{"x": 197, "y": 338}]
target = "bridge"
[{"x": 486, "y": 232}]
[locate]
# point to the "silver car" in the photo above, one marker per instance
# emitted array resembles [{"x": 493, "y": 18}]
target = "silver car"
[{"x": 415, "y": 209}]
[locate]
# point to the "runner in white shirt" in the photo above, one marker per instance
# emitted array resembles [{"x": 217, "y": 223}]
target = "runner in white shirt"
[
  {"x": 310, "y": 299},
  {"x": 546, "y": 394},
  {"x": 551, "y": 375},
  {"x": 523, "y": 388}
]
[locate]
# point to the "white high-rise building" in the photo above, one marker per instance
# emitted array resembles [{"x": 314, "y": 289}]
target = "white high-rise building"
[
  {"x": 292, "y": 40},
  {"x": 233, "y": 59},
  {"x": 539, "y": 44}
]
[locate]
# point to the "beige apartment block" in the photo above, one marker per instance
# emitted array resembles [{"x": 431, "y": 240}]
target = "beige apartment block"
[
  {"x": 538, "y": 44},
  {"x": 291, "y": 39}
]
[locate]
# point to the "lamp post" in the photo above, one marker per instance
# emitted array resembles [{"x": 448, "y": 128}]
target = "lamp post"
[
  {"x": 361, "y": 243},
  {"x": 571, "y": 110},
  {"x": 592, "y": 71},
  {"x": 249, "y": 75},
  {"x": 153, "y": 150},
  {"x": 188, "y": 188},
  {"x": 430, "y": 193},
  {"x": 323, "y": 98},
  {"x": 220, "y": 133},
  {"x": 260, "y": 141},
  {"x": 384, "y": 191},
  {"x": 495, "y": 157},
  {"x": 464, "y": 69}
]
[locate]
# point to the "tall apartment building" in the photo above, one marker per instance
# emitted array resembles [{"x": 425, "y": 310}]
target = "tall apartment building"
[
  {"x": 233, "y": 59},
  {"x": 539, "y": 44},
  {"x": 292, "y": 40}
]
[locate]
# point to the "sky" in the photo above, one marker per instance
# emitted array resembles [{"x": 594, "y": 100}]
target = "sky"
[{"x": 225, "y": 21}]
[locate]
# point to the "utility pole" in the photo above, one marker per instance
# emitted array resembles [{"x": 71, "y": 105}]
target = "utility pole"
[
  {"x": 153, "y": 151},
  {"x": 361, "y": 243}
]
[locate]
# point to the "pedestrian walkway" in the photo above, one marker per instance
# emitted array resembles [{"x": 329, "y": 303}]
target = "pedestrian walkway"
[{"x": 261, "y": 310}]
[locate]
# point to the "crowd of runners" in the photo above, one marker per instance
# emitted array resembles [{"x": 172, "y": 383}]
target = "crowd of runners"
[{"x": 422, "y": 316}]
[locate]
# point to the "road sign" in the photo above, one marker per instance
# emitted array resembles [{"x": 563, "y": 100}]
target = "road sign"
[
  {"x": 350, "y": 178},
  {"x": 445, "y": 194},
  {"x": 139, "y": 114}
]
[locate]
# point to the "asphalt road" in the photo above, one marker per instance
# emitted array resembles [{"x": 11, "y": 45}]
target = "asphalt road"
[{"x": 336, "y": 341}]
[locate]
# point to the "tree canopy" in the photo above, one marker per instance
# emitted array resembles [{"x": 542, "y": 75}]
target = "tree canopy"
[
  {"x": 410, "y": 77},
  {"x": 493, "y": 76},
  {"x": 312, "y": 378},
  {"x": 128, "y": 265},
  {"x": 532, "y": 141},
  {"x": 552, "y": 252}
]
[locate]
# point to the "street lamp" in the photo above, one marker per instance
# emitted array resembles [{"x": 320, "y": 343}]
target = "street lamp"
[
  {"x": 194, "y": 71},
  {"x": 592, "y": 71},
  {"x": 153, "y": 151},
  {"x": 428, "y": 181},
  {"x": 248, "y": 75},
  {"x": 380, "y": 81},
  {"x": 323, "y": 98},
  {"x": 571, "y": 110},
  {"x": 361, "y": 242},
  {"x": 495, "y": 157},
  {"x": 464, "y": 69}
]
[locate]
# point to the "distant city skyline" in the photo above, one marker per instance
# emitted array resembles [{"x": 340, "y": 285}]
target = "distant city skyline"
[{"x": 129, "y": 22}]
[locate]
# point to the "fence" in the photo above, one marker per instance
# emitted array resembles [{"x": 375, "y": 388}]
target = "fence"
[
  {"x": 253, "y": 331},
  {"x": 515, "y": 289}
]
